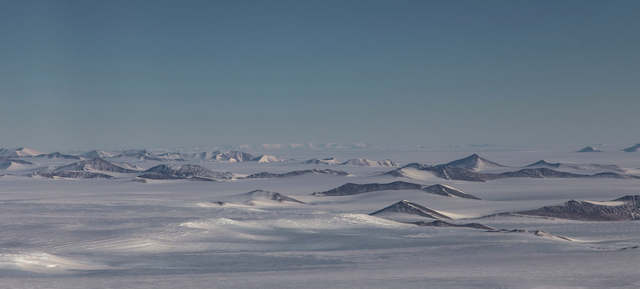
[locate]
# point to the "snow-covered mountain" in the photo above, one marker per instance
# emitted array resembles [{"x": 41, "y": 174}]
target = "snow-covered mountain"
[
  {"x": 98, "y": 154},
  {"x": 19, "y": 152},
  {"x": 589, "y": 149},
  {"x": 187, "y": 172},
  {"x": 409, "y": 208},
  {"x": 268, "y": 159},
  {"x": 634, "y": 148},
  {"x": 354, "y": 189},
  {"x": 58, "y": 155},
  {"x": 621, "y": 209},
  {"x": 571, "y": 166},
  {"x": 267, "y": 175},
  {"x": 6, "y": 164},
  {"x": 234, "y": 157},
  {"x": 370, "y": 163},
  {"x": 325, "y": 161},
  {"x": 473, "y": 162},
  {"x": 96, "y": 164}
]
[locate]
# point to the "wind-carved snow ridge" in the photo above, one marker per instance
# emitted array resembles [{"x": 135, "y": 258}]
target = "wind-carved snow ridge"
[
  {"x": 97, "y": 154},
  {"x": 354, "y": 189},
  {"x": 266, "y": 175},
  {"x": 10, "y": 164}
]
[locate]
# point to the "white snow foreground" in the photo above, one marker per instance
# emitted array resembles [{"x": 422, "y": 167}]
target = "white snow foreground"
[{"x": 180, "y": 229}]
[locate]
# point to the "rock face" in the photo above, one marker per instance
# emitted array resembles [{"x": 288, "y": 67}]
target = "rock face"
[
  {"x": 266, "y": 175},
  {"x": 589, "y": 150},
  {"x": 184, "y": 172},
  {"x": 71, "y": 175},
  {"x": 634, "y": 148},
  {"x": 625, "y": 208},
  {"x": 96, "y": 164},
  {"x": 473, "y": 162},
  {"x": 271, "y": 196},
  {"x": 354, "y": 189},
  {"x": 370, "y": 163},
  {"x": 410, "y": 208}
]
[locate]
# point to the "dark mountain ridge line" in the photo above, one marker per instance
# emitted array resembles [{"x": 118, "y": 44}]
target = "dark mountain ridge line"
[
  {"x": 354, "y": 189},
  {"x": 97, "y": 164},
  {"x": 411, "y": 208},
  {"x": 460, "y": 174},
  {"x": 629, "y": 210},
  {"x": 267, "y": 175}
]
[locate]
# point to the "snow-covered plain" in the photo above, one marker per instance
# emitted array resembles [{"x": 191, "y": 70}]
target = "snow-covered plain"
[{"x": 168, "y": 233}]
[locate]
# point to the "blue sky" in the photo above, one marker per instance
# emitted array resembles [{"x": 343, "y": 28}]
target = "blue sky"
[{"x": 116, "y": 74}]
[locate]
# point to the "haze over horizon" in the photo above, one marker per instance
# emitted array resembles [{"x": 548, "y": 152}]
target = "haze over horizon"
[{"x": 116, "y": 74}]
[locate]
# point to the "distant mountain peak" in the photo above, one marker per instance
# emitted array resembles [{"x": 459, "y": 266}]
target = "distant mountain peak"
[
  {"x": 473, "y": 162},
  {"x": 589, "y": 149}
]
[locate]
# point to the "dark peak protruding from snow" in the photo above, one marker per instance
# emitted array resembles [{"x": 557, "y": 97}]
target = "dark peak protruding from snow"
[
  {"x": 96, "y": 164},
  {"x": 473, "y": 162},
  {"x": 634, "y": 148},
  {"x": 589, "y": 149},
  {"x": 543, "y": 163},
  {"x": 165, "y": 171},
  {"x": 272, "y": 196},
  {"x": 410, "y": 208},
  {"x": 447, "y": 191}
]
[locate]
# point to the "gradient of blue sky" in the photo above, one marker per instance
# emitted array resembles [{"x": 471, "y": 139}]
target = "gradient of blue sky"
[{"x": 113, "y": 74}]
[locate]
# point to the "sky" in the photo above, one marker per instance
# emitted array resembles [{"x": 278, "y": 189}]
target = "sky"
[{"x": 148, "y": 74}]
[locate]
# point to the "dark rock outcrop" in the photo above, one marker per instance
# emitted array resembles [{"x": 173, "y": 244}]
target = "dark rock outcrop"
[
  {"x": 71, "y": 175},
  {"x": 354, "y": 189},
  {"x": 96, "y": 164}
]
